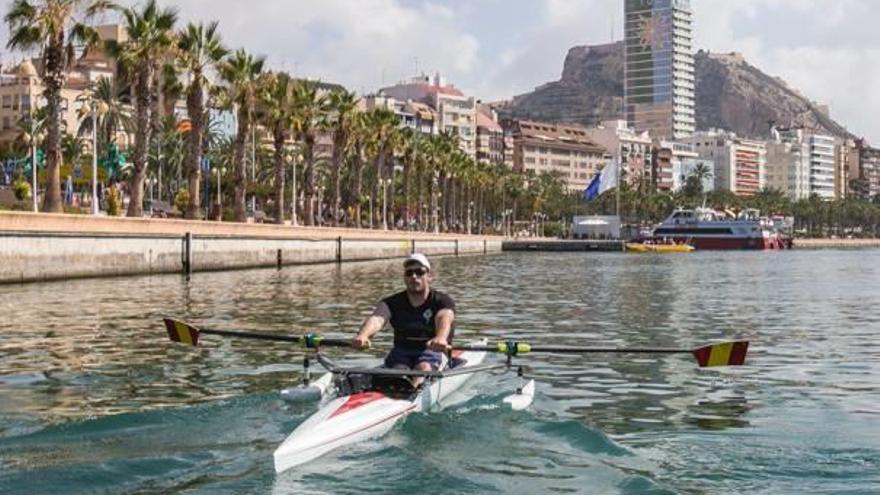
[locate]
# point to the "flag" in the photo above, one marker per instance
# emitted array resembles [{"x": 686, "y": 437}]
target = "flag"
[{"x": 603, "y": 181}]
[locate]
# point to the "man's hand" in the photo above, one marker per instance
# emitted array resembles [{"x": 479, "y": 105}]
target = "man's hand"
[
  {"x": 438, "y": 344},
  {"x": 360, "y": 342}
]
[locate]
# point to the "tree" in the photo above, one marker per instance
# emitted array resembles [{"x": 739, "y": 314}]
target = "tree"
[
  {"x": 342, "y": 106},
  {"x": 241, "y": 73},
  {"x": 150, "y": 31},
  {"x": 200, "y": 50},
  {"x": 309, "y": 110},
  {"x": 53, "y": 27},
  {"x": 115, "y": 114},
  {"x": 275, "y": 112}
]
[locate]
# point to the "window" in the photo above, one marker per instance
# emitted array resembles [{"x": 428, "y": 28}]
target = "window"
[{"x": 7, "y": 101}]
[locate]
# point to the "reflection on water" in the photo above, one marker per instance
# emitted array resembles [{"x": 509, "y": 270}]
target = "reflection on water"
[{"x": 91, "y": 349}]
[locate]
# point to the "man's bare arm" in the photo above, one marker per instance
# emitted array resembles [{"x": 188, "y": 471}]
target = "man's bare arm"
[
  {"x": 443, "y": 322},
  {"x": 371, "y": 326}
]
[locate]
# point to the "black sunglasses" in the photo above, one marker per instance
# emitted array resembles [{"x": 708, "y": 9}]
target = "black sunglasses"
[{"x": 418, "y": 272}]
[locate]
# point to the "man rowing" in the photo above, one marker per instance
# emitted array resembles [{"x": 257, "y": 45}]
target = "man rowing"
[{"x": 422, "y": 320}]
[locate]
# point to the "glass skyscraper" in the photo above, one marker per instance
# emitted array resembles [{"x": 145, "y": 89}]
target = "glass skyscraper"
[{"x": 659, "y": 67}]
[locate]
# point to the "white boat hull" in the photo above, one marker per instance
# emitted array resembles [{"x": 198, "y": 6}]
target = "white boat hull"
[{"x": 359, "y": 417}]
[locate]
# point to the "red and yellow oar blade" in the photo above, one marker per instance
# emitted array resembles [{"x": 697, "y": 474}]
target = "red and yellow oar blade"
[
  {"x": 726, "y": 354},
  {"x": 179, "y": 331}
]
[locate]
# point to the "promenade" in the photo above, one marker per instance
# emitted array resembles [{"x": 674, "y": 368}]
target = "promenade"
[{"x": 40, "y": 246}]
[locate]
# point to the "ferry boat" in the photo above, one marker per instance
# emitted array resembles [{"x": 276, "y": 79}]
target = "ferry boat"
[{"x": 705, "y": 228}]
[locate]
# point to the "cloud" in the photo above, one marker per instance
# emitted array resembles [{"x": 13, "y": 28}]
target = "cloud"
[
  {"x": 498, "y": 48},
  {"x": 358, "y": 43}
]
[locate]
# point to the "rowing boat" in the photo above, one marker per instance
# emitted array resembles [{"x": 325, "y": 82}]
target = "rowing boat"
[
  {"x": 362, "y": 403},
  {"x": 359, "y": 412}
]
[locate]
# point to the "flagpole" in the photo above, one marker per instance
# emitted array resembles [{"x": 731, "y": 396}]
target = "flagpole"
[{"x": 617, "y": 192}]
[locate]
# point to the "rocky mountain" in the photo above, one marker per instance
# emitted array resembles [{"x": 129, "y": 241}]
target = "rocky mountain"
[{"x": 730, "y": 94}]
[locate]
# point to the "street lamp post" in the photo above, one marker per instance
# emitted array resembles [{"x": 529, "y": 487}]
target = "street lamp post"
[
  {"x": 219, "y": 172},
  {"x": 385, "y": 203},
  {"x": 293, "y": 194},
  {"x": 34, "y": 166},
  {"x": 94, "y": 112}
]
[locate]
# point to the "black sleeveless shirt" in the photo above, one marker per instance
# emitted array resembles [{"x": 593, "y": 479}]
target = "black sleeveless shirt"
[{"x": 414, "y": 326}]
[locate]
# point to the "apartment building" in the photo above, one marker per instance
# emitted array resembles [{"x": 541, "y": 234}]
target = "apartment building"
[
  {"x": 566, "y": 151},
  {"x": 659, "y": 82},
  {"x": 456, "y": 112},
  {"x": 738, "y": 162},
  {"x": 633, "y": 150},
  {"x": 412, "y": 114}
]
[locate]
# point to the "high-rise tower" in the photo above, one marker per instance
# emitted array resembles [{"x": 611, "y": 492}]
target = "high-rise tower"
[{"x": 659, "y": 70}]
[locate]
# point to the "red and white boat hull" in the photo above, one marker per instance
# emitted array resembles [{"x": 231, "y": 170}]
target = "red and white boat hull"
[
  {"x": 361, "y": 416},
  {"x": 344, "y": 420}
]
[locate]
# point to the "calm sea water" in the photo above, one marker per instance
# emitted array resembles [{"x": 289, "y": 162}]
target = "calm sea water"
[{"x": 94, "y": 400}]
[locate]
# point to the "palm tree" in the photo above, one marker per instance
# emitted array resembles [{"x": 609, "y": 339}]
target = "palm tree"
[
  {"x": 242, "y": 73},
  {"x": 308, "y": 113},
  {"x": 53, "y": 28},
  {"x": 200, "y": 50},
  {"x": 360, "y": 134},
  {"x": 149, "y": 38},
  {"x": 382, "y": 125},
  {"x": 275, "y": 111},
  {"x": 342, "y": 105},
  {"x": 72, "y": 149},
  {"x": 114, "y": 117}
]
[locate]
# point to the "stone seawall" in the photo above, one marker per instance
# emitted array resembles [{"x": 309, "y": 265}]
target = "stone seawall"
[
  {"x": 35, "y": 247},
  {"x": 836, "y": 243}
]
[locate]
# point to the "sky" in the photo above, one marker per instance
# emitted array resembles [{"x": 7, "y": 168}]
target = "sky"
[{"x": 495, "y": 49}]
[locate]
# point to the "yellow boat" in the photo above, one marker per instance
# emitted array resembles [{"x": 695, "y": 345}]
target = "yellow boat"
[{"x": 638, "y": 247}]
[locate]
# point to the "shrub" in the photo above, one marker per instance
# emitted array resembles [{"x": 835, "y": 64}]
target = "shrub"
[
  {"x": 114, "y": 202},
  {"x": 181, "y": 200},
  {"x": 22, "y": 189}
]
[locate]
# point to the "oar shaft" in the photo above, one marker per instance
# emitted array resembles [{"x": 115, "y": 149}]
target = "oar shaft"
[
  {"x": 579, "y": 350},
  {"x": 323, "y": 342},
  {"x": 252, "y": 335}
]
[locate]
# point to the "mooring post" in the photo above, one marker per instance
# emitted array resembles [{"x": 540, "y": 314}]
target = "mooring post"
[
  {"x": 456, "y": 247},
  {"x": 279, "y": 259},
  {"x": 187, "y": 254},
  {"x": 412, "y": 246},
  {"x": 485, "y": 249},
  {"x": 339, "y": 249}
]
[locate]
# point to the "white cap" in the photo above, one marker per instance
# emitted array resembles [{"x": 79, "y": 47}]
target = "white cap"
[{"x": 417, "y": 258}]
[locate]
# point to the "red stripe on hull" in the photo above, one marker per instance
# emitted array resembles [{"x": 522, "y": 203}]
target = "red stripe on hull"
[
  {"x": 711, "y": 243},
  {"x": 357, "y": 400}
]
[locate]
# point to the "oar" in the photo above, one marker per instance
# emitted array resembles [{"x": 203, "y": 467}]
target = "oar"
[
  {"x": 722, "y": 354},
  {"x": 180, "y": 331}
]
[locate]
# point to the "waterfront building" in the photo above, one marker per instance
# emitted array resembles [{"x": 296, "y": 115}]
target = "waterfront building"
[
  {"x": 492, "y": 145},
  {"x": 787, "y": 166},
  {"x": 864, "y": 170},
  {"x": 659, "y": 80},
  {"x": 633, "y": 150},
  {"x": 456, "y": 112},
  {"x": 566, "y": 151},
  {"x": 412, "y": 114},
  {"x": 21, "y": 88},
  {"x": 821, "y": 165},
  {"x": 738, "y": 162},
  {"x": 674, "y": 162},
  {"x": 801, "y": 163}
]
